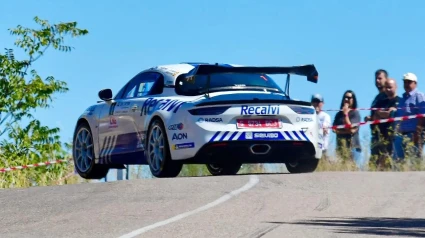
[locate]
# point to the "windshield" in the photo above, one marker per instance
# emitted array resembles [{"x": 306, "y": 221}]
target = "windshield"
[{"x": 229, "y": 82}]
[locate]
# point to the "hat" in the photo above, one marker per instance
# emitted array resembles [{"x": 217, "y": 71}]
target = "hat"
[
  {"x": 410, "y": 76},
  {"x": 317, "y": 97}
]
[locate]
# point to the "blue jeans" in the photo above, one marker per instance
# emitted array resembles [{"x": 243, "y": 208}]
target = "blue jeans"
[
  {"x": 400, "y": 146},
  {"x": 358, "y": 158}
]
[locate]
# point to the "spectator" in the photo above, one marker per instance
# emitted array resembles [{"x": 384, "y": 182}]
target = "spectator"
[
  {"x": 324, "y": 120},
  {"x": 412, "y": 102},
  {"x": 348, "y": 138},
  {"x": 385, "y": 141},
  {"x": 381, "y": 76}
]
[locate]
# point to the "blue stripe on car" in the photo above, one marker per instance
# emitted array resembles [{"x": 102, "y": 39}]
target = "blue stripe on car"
[
  {"x": 296, "y": 134},
  {"x": 233, "y": 135},
  {"x": 289, "y": 135},
  {"x": 259, "y": 135},
  {"x": 224, "y": 135},
  {"x": 305, "y": 136},
  {"x": 215, "y": 135}
]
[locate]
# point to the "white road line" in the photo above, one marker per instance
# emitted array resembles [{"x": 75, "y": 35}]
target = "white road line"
[{"x": 253, "y": 180}]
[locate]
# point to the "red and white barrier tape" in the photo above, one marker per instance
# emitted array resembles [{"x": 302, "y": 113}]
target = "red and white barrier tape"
[
  {"x": 369, "y": 109},
  {"x": 66, "y": 177},
  {"x": 3, "y": 170},
  {"x": 347, "y": 126},
  {"x": 403, "y": 118}
]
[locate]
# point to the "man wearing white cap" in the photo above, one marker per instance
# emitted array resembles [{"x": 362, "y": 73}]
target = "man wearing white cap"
[
  {"x": 412, "y": 102},
  {"x": 324, "y": 120}
]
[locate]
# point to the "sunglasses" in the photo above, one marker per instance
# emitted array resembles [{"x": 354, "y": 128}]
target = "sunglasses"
[{"x": 348, "y": 97}]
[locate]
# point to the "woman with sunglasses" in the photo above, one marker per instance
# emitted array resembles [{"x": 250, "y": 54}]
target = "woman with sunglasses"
[{"x": 348, "y": 139}]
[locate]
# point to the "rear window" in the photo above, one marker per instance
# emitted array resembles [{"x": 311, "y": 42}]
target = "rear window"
[{"x": 219, "y": 82}]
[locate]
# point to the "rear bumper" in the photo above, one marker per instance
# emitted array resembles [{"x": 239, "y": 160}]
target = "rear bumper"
[{"x": 254, "y": 151}]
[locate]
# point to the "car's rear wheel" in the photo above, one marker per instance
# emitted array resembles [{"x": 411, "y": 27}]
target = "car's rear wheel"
[
  {"x": 302, "y": 166},
  {"x": 224, "y": 169},
  {"x": 158, "y": 152},
  {"x": 83, "y": 154}
]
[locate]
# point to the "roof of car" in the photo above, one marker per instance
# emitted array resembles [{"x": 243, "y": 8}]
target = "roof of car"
[{"x": 172, "y": 71}]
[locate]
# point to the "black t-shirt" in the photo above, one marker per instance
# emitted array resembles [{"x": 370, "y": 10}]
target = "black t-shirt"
[
  {"x": 387, "y": 103},
  {"x": 351, "y": 139},
  {"x": 377, "y": 101}
]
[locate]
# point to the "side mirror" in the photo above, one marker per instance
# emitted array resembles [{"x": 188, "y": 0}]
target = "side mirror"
[{"x": 105, "y": 94}]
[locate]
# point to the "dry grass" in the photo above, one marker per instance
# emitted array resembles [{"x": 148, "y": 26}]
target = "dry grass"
[
  {"x": 344, "y": 163},
  {"x": 194, "y": 170},
  {"x": 60, "y": 174},
  {"x": 56, "y": 174}
]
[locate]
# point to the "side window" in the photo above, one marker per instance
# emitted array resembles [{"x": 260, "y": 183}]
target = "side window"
[
  {"x": 144, "y": 88},
  {"x": 129, "y": 93},
  {"x": 131, "y": 88},
  {"x": 144, "y": 84}
]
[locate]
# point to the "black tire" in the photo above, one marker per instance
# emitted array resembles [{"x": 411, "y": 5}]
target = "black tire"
[
  {"x": 303, "y": 166},
  {"x": 168, "y": 167},
  {"x": 224, "y": 169},
  {"x": 94, "y": 171}
]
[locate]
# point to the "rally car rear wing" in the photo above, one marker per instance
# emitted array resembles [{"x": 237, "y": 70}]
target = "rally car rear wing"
[
  {"x": 309, "y": 71},
  {"x": 304, "y": 70}
]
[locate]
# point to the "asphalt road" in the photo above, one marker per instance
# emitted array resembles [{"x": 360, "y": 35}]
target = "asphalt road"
[{"x": 280, "y": 205}]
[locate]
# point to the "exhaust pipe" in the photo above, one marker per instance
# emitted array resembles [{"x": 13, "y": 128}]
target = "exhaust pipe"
[{"x": 260, "y": 149}]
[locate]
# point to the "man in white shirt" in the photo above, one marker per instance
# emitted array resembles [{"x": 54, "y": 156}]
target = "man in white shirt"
[{"x": 324, "y": 120}]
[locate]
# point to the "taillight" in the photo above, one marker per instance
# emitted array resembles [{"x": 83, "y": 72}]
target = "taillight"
[
  {"x": 218, "y": 144},
  {"x": 208, "y": 111},
  {"x": 302, "y": 110}
]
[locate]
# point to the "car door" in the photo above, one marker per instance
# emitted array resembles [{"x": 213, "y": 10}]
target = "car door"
[
  {"x": 150, "y": 85},
  {"x": 117, "y": 125}
]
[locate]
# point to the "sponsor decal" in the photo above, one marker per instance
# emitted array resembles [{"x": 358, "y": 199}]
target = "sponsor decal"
[
  {"x": 266, "y": 135},
  {"x": 120, "y": 105},
  {"x": 259, "y": 110},
  {"x": 179, "y": 136},
  {"x": 166, "y": 70},
  {"x": 152, "y": 104},
  {"x": 183, "y": 146},
  {"x": 123, "y": 104},
  {"x": 112, "y": 108},
  {"x": 113, "y": 122},
  {"x": 190, "y": 79},
  {"x": 304, "y": 119},
  {"x": 217, "y": 119},
  {"x": 176, "y": 127},
  {"x": 263, "y": 135}
]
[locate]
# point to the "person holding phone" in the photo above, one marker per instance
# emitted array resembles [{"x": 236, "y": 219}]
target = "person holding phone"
[{"x": 348, "y": 139}]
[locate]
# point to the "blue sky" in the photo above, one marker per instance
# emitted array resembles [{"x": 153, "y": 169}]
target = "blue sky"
[{"x": 346, "y": 40}]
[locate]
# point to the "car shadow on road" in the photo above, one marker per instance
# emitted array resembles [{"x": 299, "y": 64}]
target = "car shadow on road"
[{"x": 384, "y": 226}]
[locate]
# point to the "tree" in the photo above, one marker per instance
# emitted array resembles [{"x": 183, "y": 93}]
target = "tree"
[{"x": 23, "y": 90}]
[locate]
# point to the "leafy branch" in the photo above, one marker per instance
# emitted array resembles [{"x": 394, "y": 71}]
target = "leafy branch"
[
  {"x": 19, "y": 96},
  {"x": 23, "y": 90}
]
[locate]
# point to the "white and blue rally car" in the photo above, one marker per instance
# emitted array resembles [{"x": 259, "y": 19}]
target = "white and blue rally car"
[{"x": 219, "y": 115}]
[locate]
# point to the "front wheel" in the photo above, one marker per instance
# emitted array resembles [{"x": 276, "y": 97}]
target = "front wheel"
[
  {"x": 224, "y": 169},
  {"x": 302, "y": 166},
  {"x": 158, "y": 152},
  {"x": 83, "y": 154}
]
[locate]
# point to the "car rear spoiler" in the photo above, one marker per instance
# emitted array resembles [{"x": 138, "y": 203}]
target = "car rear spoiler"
[
  {"x": 303, "y": 70},
  {"x": 308, "y": 71}
]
